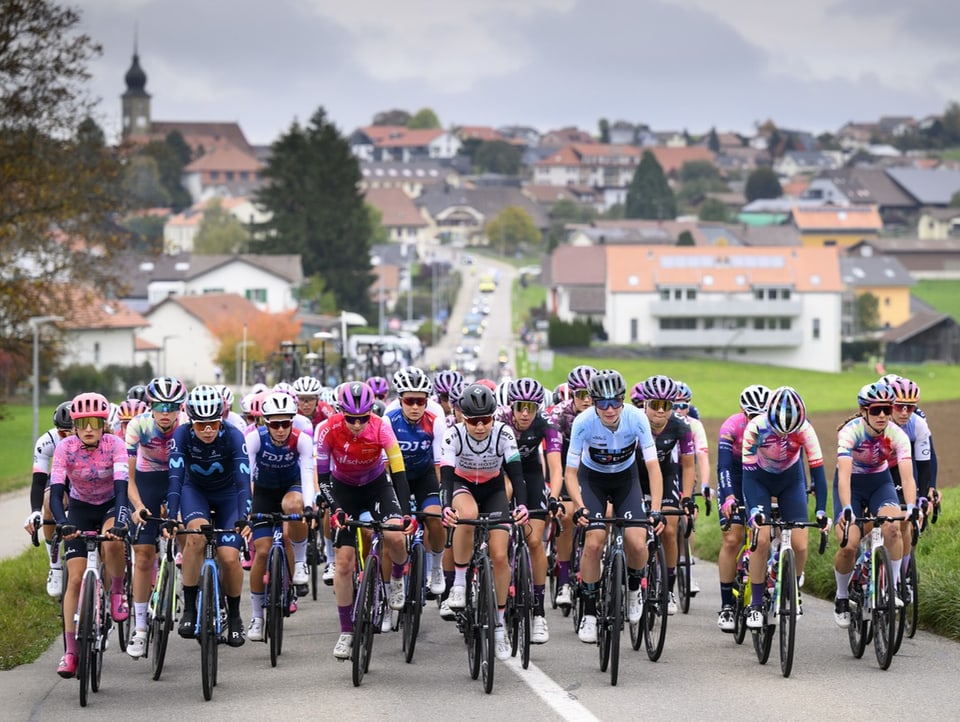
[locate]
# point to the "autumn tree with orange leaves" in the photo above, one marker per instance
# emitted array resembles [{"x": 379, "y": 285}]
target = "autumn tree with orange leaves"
[{"x": 265, "y": 331}]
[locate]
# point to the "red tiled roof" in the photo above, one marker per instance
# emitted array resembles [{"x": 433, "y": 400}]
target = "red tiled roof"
[
  {"x": 226, "y": 158},
  {"x": 578, "y": 266},
  {"x": 830, "y": 218},
  {"x": 85, "y": 309},
  {"x": 411, "y": 138},
  {"x": 672, "y": 159},
  {"x": 396, "y": 208},
  {"x": 480, "y": 132},
  {"x": 215, "y": 310},
  {"x": 141, "y": 344}
]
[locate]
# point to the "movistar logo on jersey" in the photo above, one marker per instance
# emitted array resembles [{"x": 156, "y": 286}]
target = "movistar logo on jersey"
[
  {"x": 214, "y": 468},
  {"x": 244, "y": 468},
  {"x": 228, "y": 538},
  {"x": 176, "y": 463}
]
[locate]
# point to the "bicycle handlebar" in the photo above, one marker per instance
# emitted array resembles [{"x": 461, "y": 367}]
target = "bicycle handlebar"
[
  {"x": 481, "y": 521},
  {"x": 879, "y": 519}
]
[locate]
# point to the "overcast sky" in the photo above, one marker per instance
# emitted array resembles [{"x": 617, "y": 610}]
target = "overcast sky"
[{"x": 547, "y": 63}]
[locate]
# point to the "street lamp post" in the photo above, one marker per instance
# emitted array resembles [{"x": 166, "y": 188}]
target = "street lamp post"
[{"x": 35, "y": 323}]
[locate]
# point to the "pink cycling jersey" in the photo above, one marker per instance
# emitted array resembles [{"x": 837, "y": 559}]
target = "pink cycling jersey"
[
  {"x": 148, "y": 443},
  {"x": 91, "y": 471},
  {"x": 356, "y": 459},
  {"x": 870, "y": 454},
  {"x": 766, "y": 449}
]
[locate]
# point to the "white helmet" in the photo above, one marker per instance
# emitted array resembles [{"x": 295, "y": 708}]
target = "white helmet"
[
  {"x": 278, "y": 404},
  {"x": 259, "y": 389},
  {"x": 307, "y": 386}
]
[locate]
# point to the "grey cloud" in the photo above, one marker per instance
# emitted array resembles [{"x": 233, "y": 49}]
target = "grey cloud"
[{"x": 925, "y": 20}]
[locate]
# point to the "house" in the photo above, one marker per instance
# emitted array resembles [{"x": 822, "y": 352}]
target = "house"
[
  {"x": 566, "y": 136},
  {"x": 411, "y": 177},
  {"x": 400, "y": 144},
  {"x": 853, "y": 136},
  {"x": 798, "y": 162},
  {"x": 575, "y": 278},
  {"x": 180, "y": 230},
  {"x": 836, "y": 226},
  {"x": 927, "y": 187},
  {"x": 855, "y": 186},
  {"x": 399, "y": 215},
  {"x": 460, "y": 215},
  {"x": 778, "y": 306},
  {"x": 931, "y": 258},
  {"x": 885, "y": 279},
  {"x": 672, "y": 159},
  {"x": 623, "y": 132},
  {"x": 938, "y": 223},
  {"x": 226, "y": 171},
  {"x": 928, "y": 336},
  {"x": 97, "y": 330},
  {"x": 600, "y": 165},
  {"x": 632, "y": 231},
  {"x": 522, "y": 134}
]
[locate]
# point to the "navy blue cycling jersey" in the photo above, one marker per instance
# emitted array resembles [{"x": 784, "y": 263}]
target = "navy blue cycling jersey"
[
  {"x": 281, "y": 467},
  {"x": 675, "y": 435},
  {"x": 541, "y": 431},
  {"x": 419, "y": 441},
  {"x": 217, "y": 466}
]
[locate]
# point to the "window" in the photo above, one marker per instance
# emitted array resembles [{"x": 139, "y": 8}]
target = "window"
[
  {"x": 816, "y": 328},
  {"x": 213, "y": 290},
  {"x": 664, "y": 294},
  {"x": 678, "y": 324},
  {"x": 708, "y": 323},
  {"x": 96, "y": 353},
  {"x": 634, "y": 330},
  {"x": 244, "y": 175},
  {"x": 691, "y": 294},
  {"x": 257, "y": 295},
  {"x": 229, "y": 175},
  {"x": 214, "y": 175}
]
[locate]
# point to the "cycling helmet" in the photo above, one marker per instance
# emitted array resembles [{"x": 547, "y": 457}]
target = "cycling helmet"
[
  {"x": 684, "y": 393},
  {"x": 278, "y": 404},
  {"x": 355, "y": 398},
  {"x": 204, "y": 403},
  {"x": 379, "y": 408},
  {"x": 284, "y": 388},
  {"x": 113, "y": 418},
  {"x": 378, "y": 385},
  {"x": 786, "y": 412},
  {"x": 226, "y": 393},
  {"x": 525, "y": 389},
  {"x": 488, "y": 383},
  {"x": 579, "y": 377},
  {"x": 245, "y": 404},
  {"x": 502, "y": 394},
  {"x": 62, "y": 418},
  {"x": 607, "y": 384},
  {"x": 477, "y": 400},
  {"x": 561, "y": 393},
  {"x": 905, "y": 391},
  {"x": 445, "y": 380},
  {"x": 138, "y": 392},
  {"x": 307, "y": 386},
  {"x": 89, "y": 404},
  {"x": 754, "y": 399},
  {"x": 875, "y": 393},
  {"x": 130, "y": 408},
  {"x": 328, "y": 395},
  {"x": 256, "y": 403},
  {"x": 636, "y": 393},
  {"x": 166, "y": 390},
  {"x": 412, "y": 378},
  {"x": 660, "y": 387},
  {"x": 547, "y": 398},
  {"x": 259, "y": 388},
  {"x": 456, "y": 392},
  {"x": 888, "y": 379}
]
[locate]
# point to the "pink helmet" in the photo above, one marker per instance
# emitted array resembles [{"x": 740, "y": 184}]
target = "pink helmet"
[{"x": 89, "y": 404}]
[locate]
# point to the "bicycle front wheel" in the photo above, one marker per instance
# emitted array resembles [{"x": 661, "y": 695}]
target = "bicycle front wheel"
[
  {"x": 274, "y": 607},
  {"x": 412, "y": 608},
  {"x": 471, "y": 629},
  {"x": 884, "y": 609},
  {"x": 788, "y": 610},
  {"x": 858, "y": 630},
  {"x": 85, "y": 634},
  {"x": 209, "y": 639},
  {"x": 162, "y": 622},
  {"x": 683, "y": 566},
  {"x": 524, "y": 590},
  {"x": 124, "y": 627},
  {"x": 363, "y": 620},
  {"x": 616, "y": 615},
  {"x": 313, "y": 561},
  {"x": 487, "y": 623},
  {"x": 911, "y": 600},
  {"x": 654, "y": 619}
]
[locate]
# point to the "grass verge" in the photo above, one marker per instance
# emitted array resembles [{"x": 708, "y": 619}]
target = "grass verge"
[
  {"x": 938, "y": 563},
  {"x": 31, "y": 620},
  {"x": 16, "y": 453}
]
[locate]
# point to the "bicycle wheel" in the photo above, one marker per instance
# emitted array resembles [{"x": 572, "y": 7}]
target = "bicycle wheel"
[
  {"x": 655, "y": 604},
  {"x": 471, "y": 630},
  {"x": 857, "y": 631},
  {"x": 125, "y": 627},
  {"x": 487, "y": 623},
  {"x": 85, "y": 632},
  {"x": 683, "y": 566},
  {"x": 740, "y": 605},
  {"x": 552, "y": 568},
  {"x": 162, "y": 622},
  {"x": 788, "y": 610},
  {"x": 273, "y": 609},
  {"x": 207, "y": 609},
  {"x": 911, "y": 600},
  {"x": 363, "y": 620},
  {"x": 313, "y": 561},
  {"x": 413, "y": 607},
  {"x": 763, "y": 637},
  {"x": 525, "y": 606},
  {"x": 618, "y": 601},
  {"x": 884, "y": 609}
]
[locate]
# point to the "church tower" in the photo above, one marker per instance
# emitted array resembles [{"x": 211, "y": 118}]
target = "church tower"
[{"x": 136, "y": 101}]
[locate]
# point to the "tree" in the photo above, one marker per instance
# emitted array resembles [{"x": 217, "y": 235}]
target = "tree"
[
  {"x": 867, "y": 312},
  {"x": 220, "y": 231},
  {"x": 142, "y": 186},
  {"x": 497, "y": 156},
  {"x": 317, "y": 210},
  {"x": 265, "y": 331},
  {"x": 955, "y": 200},
  {"x": 763, "y": 183},
  {"x": 563, "y": 212},
  {"x": 950, "y": 123},
  {"x": 686, "y": 239},
  {"x": 171, "y": 155},
  {"x": 650, "y": 195},
  {"x": 713, "y": 210},
  {"x": 699, "y": 170},
  {"x": 424, "y": 118},
  {"x": 604, "y": 130},
  {"x": 57, "y": 180},
  {"x": 392, "y": 117},
  {"x": 713, "y": 141},
  {"x": 511, "y": 229}
]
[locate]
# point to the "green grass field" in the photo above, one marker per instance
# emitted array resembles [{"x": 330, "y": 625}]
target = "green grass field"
[
  {"x": 16, "y": 453},
  {"x": 942, "y": 295},
  {"x": 31, "y": 621}
]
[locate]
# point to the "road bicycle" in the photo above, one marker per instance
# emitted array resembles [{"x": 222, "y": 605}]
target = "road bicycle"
[
  {"x": 280, "y": 598},
  {"x": 477, "y": 621},
  {"x": 316, "y": 556},
  {"x": 162, "y": 606},
  {"x": 741, "y": 583},
  {"x": 781, "y": 598},
  {"x": 551, "y": 533},
  {"x": 908, "y": 615},
  {"x": 652, "y": 627},
  {"x": 519, "y": 610},
  {"x": 416, "y": 587},
  {"x": 685, "y": 561},
  {"x": 576, "y": 590},
  {"x": 872, "y": 597}
]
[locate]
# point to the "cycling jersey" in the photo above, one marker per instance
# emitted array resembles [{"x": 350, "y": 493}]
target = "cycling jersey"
[
  {"x": 610, "y": 450},
  {"x": 698, "y": 432},
  {"x": 97, "y": 476},
  {"x": 729, "y": 457},
  {"x": 420, "y": 442},
  {"x": 475, "y": 462},
  {"x": 870, "y": 453},
  {"x": 148, "y": 443},
  {"x": 235, "y": 420},
  {"x": 921, "y": 443},
  {"x": 765, "y": 450},
  {"x": 674, "y": 440},
  {"x": 281, "y": 467},
  {"x": 540, "y": 434},
  {"x": 213, "y": 469},
  {"x": 42, "y": 456}
]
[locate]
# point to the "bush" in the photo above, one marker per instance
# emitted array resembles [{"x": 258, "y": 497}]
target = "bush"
[
  {"x": 568, "y": 335},
  {"x": 113, "y": 379}
]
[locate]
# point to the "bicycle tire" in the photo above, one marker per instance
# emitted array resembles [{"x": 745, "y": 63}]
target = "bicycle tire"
[
  {"x": 884, "y": 609},
  {"x": 552, "y": 568},
  {"x": 763, "y": 637},
  {"x": 525, "y": 607},
  {"x": 84, "y": 634},
  {"x": 125, "y": 627},
  {"x": 101, "y": 632},
  {"x": 857, "y": 632},
  {"x": 313, "y": 562},
  {"x": 911, "y": 603},
  {"x": 363, "y": 621},
  {"x": 788, "y": 610},
  {"x": 900, "y": 613},
  {"x": 471, "y": 629},
  {"x": 208, "y": 632},
  {"x": 655, "y": 605},
  {"x": 487, "y": 621},
  {"x": 740, "y": 606},
  {"x": 162, "y": 622},
  {"x": 413, "y": 607},
  {"x": 683, "y": 567},
  {"x": 616, "y": 616},
  {"x": 273, "y": 621}
]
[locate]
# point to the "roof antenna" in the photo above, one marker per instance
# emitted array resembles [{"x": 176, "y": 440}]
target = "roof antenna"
[{"x": 136, "y": 32}]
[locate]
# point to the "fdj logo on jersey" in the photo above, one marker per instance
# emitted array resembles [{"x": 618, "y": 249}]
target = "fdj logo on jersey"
[{"x": 408, "y": 446}]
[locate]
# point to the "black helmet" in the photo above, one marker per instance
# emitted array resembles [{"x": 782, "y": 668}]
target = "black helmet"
[
  {"x": 608, "y": 384},
  {"x": 138, "y": 392},
  {"x": 477, "y": 400},
  {"x": 61, "y": 417}
]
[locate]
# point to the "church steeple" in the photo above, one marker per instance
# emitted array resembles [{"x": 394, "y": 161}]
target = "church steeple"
[{"x": 136, "y": 100}]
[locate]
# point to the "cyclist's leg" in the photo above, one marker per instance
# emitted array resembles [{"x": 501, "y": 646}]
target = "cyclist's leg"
[
  {"x": 792, "y": 497},
  {"x": 536, "y": 500},
  {"x": 756, "y": 495},
  {"x": 731, "y": 543},
  {"x": 228, "y": 554},
  {"x": 152, "y": 487},
  {"x": 884, "y": 501},
  {"x": 465, "y": 505},
  {"x": 83, "y": 517},
  {"x": 295, "y": 532}
]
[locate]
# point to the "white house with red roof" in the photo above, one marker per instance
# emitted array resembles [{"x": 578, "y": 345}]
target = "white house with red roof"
[
  {"x": 97, "y": 330},
  {"x": 398, "y": 143}
]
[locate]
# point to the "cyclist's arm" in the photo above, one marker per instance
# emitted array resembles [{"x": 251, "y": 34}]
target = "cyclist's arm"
[
  {"x": 37, "y": 487},
  {"x": 324, "y": 481},
  {"x": 654, "y": 475},
  {"x": 58, "y": 477},
  {"x": 121, "y": 479},
  {"x": 42, "y": 455},
  {"x": 176, "y": 466},
  {"x": 398, "y": 470},
  {"x": 241, "y": 471},
  {"x": 307, "y": 468}
]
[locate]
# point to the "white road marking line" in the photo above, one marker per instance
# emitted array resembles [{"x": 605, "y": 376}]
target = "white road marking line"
[{"x": 560, "y": 700}]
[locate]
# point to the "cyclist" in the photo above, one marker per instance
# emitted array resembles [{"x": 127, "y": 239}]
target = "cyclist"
[
  {"x": 687, "y": 411},
  {"x": 300, "y": 421},
  {"x": 573, "y": 399},
  {"x": 753, "y": 402},
  {"x": 127, "y": 410},
  {"x": 309, "y": 404},
  {"x": 475, "y": 454},
  {"x": 636, "y": 395},
  {"x": 40, "y": 491},
  {"x": 772, "y": 467},
  {"x": 419, "y": 430},
  {"x": 379, "y": 386},
  {"x": 352, "y": 473},
  {"x": 137, "y": 392},
  {"x": 210, "y": 474},
  {"x": 533, "y": 430},
  {"x": 229, "y": 415},
  {"x": 863, "y": 481},
  {"x": 443, "y": 381},
  {"x": 282, "y": 466},
  {"x": 148, "y": 440},
  {"x": 96, "y": 464},
  {"x": 602, "y": 468},
  {"x": 674, "y": 443}
]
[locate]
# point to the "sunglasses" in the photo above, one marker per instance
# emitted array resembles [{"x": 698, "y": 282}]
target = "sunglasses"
[
  {"x": 530, "y": 406},
  {"x": 413, "y": 401},
  {"x": 382, "y": 397},
  {"x": 604, "y": 404},
  {"x": 637, "y": 402},
  {"x": 356, "y": 419},
  {"x": 165, "y": 406},
  {"x": 681, "y": 406},
  {"x": 905, "y": 407},
  {"x": 878, "y": 409},
  {"x": 660, "y": 404},
  {"x": 581, "y": 394},
  {"x": 89, "y": 422},
  {"x": 477, "y": 420},
  {"x": 207, "y": 426},
  {"x": 284, "y": 424}
]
